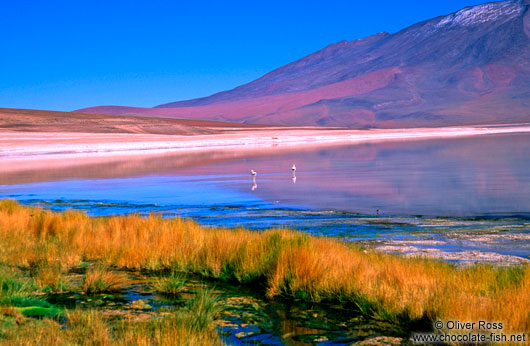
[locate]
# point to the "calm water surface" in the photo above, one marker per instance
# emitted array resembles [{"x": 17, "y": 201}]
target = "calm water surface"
[{"x": 426, "y": 189}]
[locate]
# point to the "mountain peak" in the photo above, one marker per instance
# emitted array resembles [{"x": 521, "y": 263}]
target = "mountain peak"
[
  {"x": 468, "y": 67},
  {"x": 493, "y": 11}
]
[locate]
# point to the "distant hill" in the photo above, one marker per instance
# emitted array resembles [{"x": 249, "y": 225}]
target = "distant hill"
[
  {"x": 468, "y": 67},
  {"x": 30, "y": 120}
]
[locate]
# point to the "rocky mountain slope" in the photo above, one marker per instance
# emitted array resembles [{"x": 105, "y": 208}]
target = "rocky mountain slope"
[{"x": 468, "y": 67}]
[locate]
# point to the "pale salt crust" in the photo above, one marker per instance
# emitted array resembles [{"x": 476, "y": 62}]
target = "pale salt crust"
[
  {"x": 464, "y": 257},
  {"x": 17, "y": 146}
]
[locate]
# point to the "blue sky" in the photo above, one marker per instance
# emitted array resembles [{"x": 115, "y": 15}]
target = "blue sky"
[{"x": 66, "y": 55}]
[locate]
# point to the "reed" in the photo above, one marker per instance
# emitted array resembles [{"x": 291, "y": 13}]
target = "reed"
[{"x": 285, "y": 263}]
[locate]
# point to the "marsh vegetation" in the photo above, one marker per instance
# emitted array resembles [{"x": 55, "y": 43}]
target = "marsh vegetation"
[{"x": 39, "y": 251}]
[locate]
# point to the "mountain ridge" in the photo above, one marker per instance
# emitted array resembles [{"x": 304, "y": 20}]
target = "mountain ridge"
[{"x": 467, "y": 67}]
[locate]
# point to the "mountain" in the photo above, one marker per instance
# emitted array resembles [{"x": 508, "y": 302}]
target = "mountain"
[{"x": 468, "y": 67}]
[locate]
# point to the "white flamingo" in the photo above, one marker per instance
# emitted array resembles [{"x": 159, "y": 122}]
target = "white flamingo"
[{"x": 254, "y": 185}]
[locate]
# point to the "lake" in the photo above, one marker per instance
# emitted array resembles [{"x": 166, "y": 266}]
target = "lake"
[{"x": 455, "y": 195}]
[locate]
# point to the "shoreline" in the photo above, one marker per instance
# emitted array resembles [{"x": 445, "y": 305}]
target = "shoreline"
[
  {"x": 406, "y": 292},
  {"x": 31, "y": 146}
]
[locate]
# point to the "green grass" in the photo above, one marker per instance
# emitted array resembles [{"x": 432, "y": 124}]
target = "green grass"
[
  {"x": 26, "y": 318},
  {"x": 15, "y": 290},
  {"x": 40, "y": 311},
  {"x": 190, "y": 326},
  {"x": 201, "y": 310}
]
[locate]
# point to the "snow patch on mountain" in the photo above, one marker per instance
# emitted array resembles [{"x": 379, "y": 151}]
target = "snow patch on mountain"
[{"x": 495, "y": 11}]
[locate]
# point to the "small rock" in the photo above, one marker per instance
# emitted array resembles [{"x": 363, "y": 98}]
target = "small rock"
[
  {"x": 141, "y": 304},
  {"x": 243, "y": 334}
]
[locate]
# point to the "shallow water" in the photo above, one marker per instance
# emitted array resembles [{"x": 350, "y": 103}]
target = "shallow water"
[
  {"x": 244, "y": 318},
  {"x": 376, "y": 193}
]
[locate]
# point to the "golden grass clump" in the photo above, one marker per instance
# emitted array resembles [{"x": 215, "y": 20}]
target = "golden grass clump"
[
  {"x": 171, "y": 285},
  {"x": 284, "y": 262},
  {"x": 87, "y": 327},
  {"x": 100, "y": 280}
]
